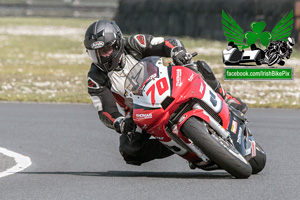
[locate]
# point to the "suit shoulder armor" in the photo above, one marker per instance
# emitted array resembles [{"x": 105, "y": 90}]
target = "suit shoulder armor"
[{"x": 97, "y": 78}]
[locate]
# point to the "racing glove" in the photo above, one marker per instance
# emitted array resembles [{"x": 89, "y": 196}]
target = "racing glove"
[
  {"x": 180, "y": 56},
  {"x": 124, "y": 125}
]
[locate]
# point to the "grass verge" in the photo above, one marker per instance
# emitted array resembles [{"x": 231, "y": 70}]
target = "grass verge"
[{"x": 44, "y": 60}]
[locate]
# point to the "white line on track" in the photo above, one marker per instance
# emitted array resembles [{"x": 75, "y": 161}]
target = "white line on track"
[{"x": 22, "y": 162}]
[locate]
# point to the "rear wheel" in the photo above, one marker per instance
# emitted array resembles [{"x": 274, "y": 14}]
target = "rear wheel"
[
  {"x": 259, "y": 161},
  {"x": 221, "y": 152}
]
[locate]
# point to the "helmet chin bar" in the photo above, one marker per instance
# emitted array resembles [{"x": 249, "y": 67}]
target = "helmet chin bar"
[{"x": 106, "y": 67}]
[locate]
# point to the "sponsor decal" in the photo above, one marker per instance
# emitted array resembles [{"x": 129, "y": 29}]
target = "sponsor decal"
[
  {"x": 253, "y": 145},
  {"x": 234, "y": 127},
  {"x": 159, "y": 138},
  {"x": 144, "y": 116},
  {"x": 152, "y": 77},
  {"x": 201, "y": 88},
  {"x": 141, "y": 40},
  {"x": 182, "y": 118},
  {"x": 145, "y": 126},
  {"x": 92, "y": 84},
  {"x": 97, "y": 45},
  {"x": 178, "y": 77},
  {"x": 239, "y": 140},
  {"x": 191, "y": 78}
]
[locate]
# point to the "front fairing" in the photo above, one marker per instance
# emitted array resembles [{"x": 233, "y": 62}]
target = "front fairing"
[{"x": 238, "y": 130}]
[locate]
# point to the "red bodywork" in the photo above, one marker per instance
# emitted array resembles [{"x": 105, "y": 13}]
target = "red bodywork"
[{"x": 188, "y": 85}]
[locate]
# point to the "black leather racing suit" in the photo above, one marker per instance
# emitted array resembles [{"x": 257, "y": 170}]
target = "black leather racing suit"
[{"x": 107, "y": 93}]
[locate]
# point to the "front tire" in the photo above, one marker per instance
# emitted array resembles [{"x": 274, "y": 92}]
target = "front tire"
[
  {"x": 259, "y": 161},
  {"x": 219, "y": 151}
]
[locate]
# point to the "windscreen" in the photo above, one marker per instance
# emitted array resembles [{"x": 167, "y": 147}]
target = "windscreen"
[{"x": 141, "y": 74}]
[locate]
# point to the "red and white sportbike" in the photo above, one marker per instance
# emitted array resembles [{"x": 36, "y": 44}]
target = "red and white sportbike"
[{"x": 177, "y": 107}]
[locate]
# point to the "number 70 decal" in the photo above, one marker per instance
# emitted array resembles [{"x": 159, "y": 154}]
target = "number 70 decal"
[{"x": 161, "y": 85}]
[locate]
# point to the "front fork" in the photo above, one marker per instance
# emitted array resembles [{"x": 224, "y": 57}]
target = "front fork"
[{"x": 213, "y": 123}]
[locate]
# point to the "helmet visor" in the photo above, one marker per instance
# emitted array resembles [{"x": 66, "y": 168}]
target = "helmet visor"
[
  {"x": 105, "y": 51},
  {"x": 105, "y": 56},
  {"x": 102, "y": 55}
]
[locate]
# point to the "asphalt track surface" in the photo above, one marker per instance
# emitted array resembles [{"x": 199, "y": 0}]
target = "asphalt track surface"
[{"x": 74, "y": 157}]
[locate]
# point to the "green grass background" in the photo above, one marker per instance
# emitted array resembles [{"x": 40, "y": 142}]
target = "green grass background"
[{"x": 38, "y": 65}]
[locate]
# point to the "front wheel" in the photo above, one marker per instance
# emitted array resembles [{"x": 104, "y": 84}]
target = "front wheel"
[{"x": 219, "y": 151}]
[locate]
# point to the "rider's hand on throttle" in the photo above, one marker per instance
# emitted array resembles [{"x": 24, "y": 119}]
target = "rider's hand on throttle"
[
  {"x": 123, "y": 125},
  {"x": 180, "y": 56}
]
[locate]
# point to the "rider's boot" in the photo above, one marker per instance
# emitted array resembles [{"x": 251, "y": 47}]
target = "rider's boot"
[{"x": 235, "y": 102}]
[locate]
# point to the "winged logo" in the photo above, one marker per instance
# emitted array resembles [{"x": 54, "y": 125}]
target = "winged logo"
[{"x": 234, "y": 33}]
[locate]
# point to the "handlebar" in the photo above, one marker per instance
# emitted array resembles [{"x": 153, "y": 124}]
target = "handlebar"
[
  {"x": 194, "y": 54},
  {"x": 188, "y": 57}
]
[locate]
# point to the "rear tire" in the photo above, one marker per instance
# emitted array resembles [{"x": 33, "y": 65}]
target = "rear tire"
[
  {"x": 219, "y": 151},
  {"x": 259, "y": 161}
]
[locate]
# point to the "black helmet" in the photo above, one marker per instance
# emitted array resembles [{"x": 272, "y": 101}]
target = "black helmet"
[{"x": 104, "y": 44}]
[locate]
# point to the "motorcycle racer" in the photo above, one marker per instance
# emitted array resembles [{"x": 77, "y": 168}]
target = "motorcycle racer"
[
  {"x": 112, "y": 58},
  {"x": 278, "y": 50}
]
